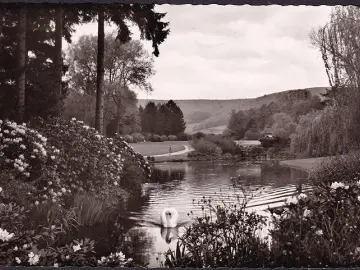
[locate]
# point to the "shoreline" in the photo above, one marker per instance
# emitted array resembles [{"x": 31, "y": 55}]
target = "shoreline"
[{"x": 306, "y": 164}]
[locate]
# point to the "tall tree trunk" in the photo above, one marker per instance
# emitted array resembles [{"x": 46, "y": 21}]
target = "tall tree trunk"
[
  {"x": 58, "y": 56},
  {"x": 21, "y": 57},
  {"x": 99, "y": 113}
]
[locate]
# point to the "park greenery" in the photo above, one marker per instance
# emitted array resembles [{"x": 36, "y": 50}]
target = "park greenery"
[
  {"x": 318, "y": 229},
  {"x": 315, "y": 127},
  {"x": 64, "y": 178}
]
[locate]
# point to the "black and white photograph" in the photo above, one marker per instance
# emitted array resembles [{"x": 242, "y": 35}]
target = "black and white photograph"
[{"x": 179, "y": 135}]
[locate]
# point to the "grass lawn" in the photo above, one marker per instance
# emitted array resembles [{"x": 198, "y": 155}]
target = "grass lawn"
[{"x": 158, "y": 148}]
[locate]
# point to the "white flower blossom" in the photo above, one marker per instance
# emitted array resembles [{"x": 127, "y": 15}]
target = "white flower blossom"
[
  {"x": 307, "y": 212},
  {"x": 33, "y": 259},
  {"x": 319, "y": 232},
  {"x": 56, "y": 265},
  {"x": 337, "y": 185},
  {"x": 16, "y": 248},
  {"x": 76, "y": 247},
  {"x": 292, "y": 200},
  {"x": 121, "y": 256},
  {"x": 5, "y": 235},
  {"x": 1, "y": 189},
  {"x": 18, "y": 261}
]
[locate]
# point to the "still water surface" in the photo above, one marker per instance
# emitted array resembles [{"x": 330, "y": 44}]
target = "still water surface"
[{"x": 178, "y": 185}]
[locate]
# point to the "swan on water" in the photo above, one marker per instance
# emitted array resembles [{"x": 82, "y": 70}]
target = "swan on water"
[
  {"x": 169, "y": 234},
  {"x": 169, "y": 217}
]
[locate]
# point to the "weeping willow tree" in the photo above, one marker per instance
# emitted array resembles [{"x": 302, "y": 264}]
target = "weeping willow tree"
[
  {"x": 336, "y": 129},
  {"x": 338, "y": 42}
]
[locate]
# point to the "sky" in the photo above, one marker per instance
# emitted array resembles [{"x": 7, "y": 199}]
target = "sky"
[{"x": 232, "y": 52}]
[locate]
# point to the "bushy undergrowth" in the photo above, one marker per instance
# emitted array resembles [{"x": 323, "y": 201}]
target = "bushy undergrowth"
[
  {"x": 319, "y": 229},
  {"x": 206, "y": 148},
  {"x": 214, "y": 145},
  {"x": 57, "y": 179},
  {"x": 224, "y": 236},
  {"x": 324, "y": 224}
]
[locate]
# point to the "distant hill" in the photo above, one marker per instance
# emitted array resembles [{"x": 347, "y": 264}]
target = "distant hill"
[{"x": 211, "y": 116}]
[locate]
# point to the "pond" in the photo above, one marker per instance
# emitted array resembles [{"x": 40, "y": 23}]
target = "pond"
[{"x": 179, "y": 185}]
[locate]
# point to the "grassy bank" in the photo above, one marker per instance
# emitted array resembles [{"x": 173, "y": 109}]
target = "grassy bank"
[
  {"x": 307, "y": 164},
  {"x": 158, "y": 148}
]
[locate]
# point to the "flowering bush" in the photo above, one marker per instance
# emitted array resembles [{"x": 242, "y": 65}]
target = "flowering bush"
[
  {"x": 224, "y": 236},
  {"x": 49, "y": 166},
  {"x": 26, "y": 157},
  {"x": 323, "y": 225},
  {"x": 87, "y": 161}
]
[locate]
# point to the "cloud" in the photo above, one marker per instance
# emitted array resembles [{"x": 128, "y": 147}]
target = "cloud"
[{"x": 225, "y": 52}]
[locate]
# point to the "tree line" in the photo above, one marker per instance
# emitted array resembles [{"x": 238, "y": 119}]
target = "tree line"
[
  {"x": 279, "y": 117},
  {"x": 32, "y": 70},
  {"x": 162, "y": 119},
  {"x": 324, "y": 128}
]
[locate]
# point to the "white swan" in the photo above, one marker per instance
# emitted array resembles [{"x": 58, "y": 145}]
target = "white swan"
[
  {"x": 169, "y": 234},
  {"x": 169, "y": 217}
]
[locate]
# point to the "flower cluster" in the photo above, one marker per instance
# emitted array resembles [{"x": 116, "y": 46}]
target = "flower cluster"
[
  {"x": 114, "y": 260},
  {"x": 324, "y": 225},
  {"x": 5, "y": 235},
  {"x": 23, "y": 149}
]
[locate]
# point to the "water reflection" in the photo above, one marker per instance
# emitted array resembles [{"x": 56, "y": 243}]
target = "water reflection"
[
  {"x": 166, "y": 173},
  {"x": 169, "y": 234},
  {"x": 178, "y": 184}
]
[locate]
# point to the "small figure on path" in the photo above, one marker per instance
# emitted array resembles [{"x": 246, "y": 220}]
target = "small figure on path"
[{"x": 170, "y": 150}]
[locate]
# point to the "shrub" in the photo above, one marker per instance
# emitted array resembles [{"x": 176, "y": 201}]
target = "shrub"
[
  {"x": 323, "y": 224},
  {"x": 155, "y": 138},
  {"x": 129, "y": 139},
  {"x": 138, "y": 137},
  {"x": 148, "y": 136},
  {"x": 183, "y": 137},
  {"x": 206, "y": 147},
  {"x": 88, "y": 161},
  {"x": 226, "y": 235},
  {"x": 59, "y": 159},
  {"x": 163, "y": 138},
  {"x": 198, "y": 135},
  {"x": 172, "y": 138},
  {"x": 257, "y": 150},
  {"x": 27, "y": 159},
  {"x": 344, "y": 168},
  {"x": 226, "y": 145}
]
